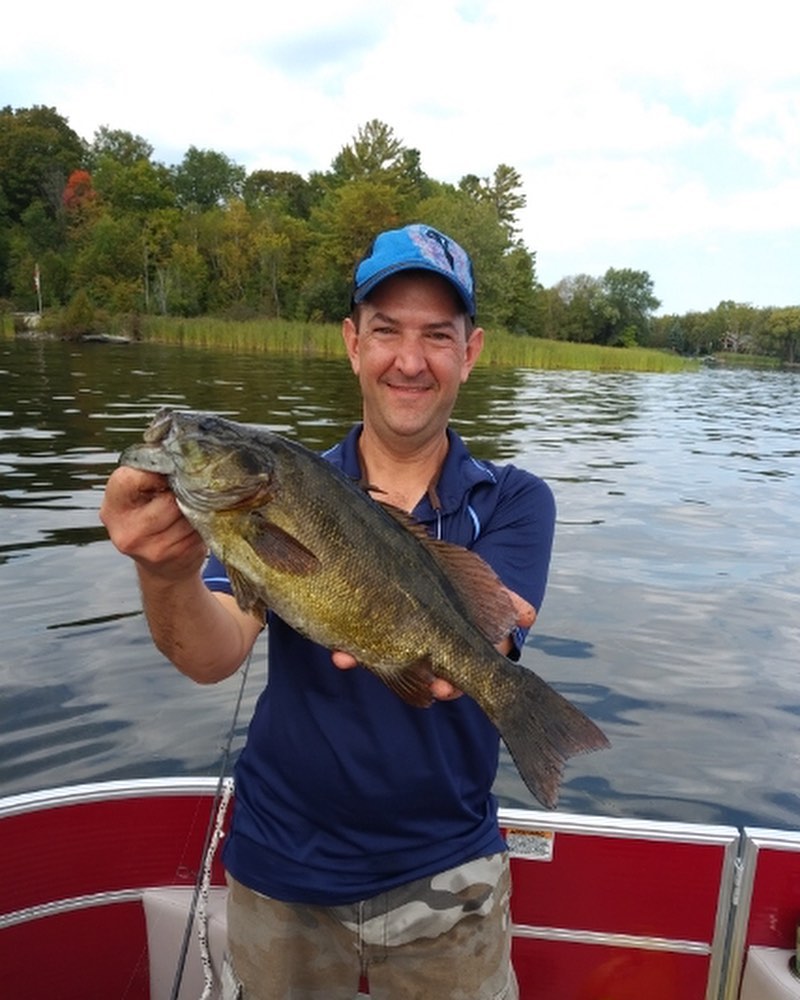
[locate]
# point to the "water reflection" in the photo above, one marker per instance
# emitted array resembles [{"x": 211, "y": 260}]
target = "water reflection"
[{"x": 672, "y": 616}]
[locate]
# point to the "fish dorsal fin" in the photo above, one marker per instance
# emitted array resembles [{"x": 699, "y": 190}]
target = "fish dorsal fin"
[
  {"x": 278, "y": 548},
  {"x": 412, "y": 682},
  {"x": 476, "y": 583}
]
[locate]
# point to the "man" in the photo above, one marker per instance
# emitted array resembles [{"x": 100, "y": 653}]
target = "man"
[{"x": 364, "y": 839}]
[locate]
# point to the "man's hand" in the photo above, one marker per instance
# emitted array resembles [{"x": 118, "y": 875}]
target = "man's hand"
[
  {"x": 206, "y": 635},
  {"x": 441, "y": 689},
  {"x": 144, "y": 522}
]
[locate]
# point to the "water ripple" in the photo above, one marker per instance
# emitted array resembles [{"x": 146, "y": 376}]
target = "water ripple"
[{"x": 672, "y": 614}]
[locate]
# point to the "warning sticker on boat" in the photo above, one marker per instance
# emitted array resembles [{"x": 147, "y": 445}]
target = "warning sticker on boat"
[{"x": 535, "y": 845}]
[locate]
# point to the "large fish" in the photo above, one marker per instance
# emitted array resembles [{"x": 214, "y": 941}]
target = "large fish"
[{"x": 298, "y": 536}]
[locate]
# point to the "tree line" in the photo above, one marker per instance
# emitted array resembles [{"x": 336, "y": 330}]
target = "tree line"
[
  {"x": 617, "y": 309},
  {"x": 102, "y": 227}
]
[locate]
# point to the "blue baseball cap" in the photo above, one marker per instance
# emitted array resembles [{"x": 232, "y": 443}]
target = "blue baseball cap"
[{"x": 415, "y": 247}]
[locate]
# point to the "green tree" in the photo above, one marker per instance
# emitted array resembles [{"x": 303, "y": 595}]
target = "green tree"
[
  {"x": 668, "y": 333},
  {"x": 737, "y": 325},
  {"x": 626, "y": 307},
  {"x": 376, "y": 154},
  {"x": 180, "y": 284},
  {"x": 123, "y": 147},
  {"x": 159, "y": 236},
  {"x": 505, "y": 282},
  {"x": 108, "y": 263},
  {"x": 341, "y": 228},
  {"x": 373, "y": 151},
  {"x": 575, "y": 309},
  {"x": 206, "y": 178},
  {"x": 38, "y": 152},
  {"x": 136, "y": 188},
  {"x": 283, "y": 189},
  {"x": 249, "y": 258},
  {"x": 282, "y": 245},
  {"x": 134, "y": 195},
  {"x": 503, "y": 191},
  {"x": 781, "y": 333},
  {"x": 702, "y": 332}
]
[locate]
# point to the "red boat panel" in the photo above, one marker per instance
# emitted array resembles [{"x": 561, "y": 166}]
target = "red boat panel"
[
  {"x": 98, "y": 847},
  {"x": 93, "y": 954},
  {"x": 608, "y": 880},
  {"x": 775, "y": 904},
  {"x": 622, "y": 885},
  {"x": 565, "y": 970}
]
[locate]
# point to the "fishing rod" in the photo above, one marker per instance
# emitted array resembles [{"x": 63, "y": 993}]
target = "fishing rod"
[{"x": 216, "y": 817}]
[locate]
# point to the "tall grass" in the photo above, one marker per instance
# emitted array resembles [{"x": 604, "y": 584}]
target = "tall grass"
[
  {"x": 507, "y": 349},
  {"x": 247, "y": 336},
  {"x": 324, "y": 340}
]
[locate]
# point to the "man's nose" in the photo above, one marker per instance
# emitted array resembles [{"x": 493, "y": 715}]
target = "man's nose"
[{"x": 410, "y": 358}]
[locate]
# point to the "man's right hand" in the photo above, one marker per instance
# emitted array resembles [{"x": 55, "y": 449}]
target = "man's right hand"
[{"x": 144, "y": 522}]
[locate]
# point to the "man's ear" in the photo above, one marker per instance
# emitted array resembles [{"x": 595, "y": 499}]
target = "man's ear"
[
  {"x": 473, "y": 352},
  {"x": 350, "y": 338}
]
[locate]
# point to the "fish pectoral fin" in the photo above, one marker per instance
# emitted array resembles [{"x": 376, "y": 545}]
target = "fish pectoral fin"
[
  {"x": 279, "y": 549},
  {"x": 412, "y": 682}
]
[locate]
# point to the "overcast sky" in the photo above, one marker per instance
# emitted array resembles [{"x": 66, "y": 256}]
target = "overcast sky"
[{"x": 663, "y": 137}]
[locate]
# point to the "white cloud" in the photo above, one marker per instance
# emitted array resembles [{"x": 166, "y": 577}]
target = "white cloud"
[
  {"x": 630, "y": 130},
  {"x": 766, "y": 127}
]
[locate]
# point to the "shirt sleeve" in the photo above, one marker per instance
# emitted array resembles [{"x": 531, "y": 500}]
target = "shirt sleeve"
[{"x": 215, "y": 577}]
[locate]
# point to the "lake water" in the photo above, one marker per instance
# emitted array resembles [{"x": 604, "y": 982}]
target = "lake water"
[{"x": 672, "y": 615}]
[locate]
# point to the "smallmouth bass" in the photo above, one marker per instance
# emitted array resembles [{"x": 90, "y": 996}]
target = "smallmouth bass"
[{"x": 297, "y": 536}]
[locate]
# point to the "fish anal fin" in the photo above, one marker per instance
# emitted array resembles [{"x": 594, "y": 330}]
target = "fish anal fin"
[
  {"x": 278, "y": 548},
  {"x": 412, "y": 682}
]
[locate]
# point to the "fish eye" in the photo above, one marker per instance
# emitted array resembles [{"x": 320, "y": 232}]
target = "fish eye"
[
  {"x": 251, "y": 463},
  {"x": 209, "y": 424}
]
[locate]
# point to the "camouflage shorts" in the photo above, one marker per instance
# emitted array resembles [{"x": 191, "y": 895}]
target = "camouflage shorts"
[{"x": 447, "y": 937}]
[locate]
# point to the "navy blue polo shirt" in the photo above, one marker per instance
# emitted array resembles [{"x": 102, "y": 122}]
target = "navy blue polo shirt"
[{"x": 343, "y": 790}]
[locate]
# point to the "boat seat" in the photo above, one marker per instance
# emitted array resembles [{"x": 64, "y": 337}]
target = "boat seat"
[
  {"x": 166, "y": 912},
  {"x": 767, "y": 975}
]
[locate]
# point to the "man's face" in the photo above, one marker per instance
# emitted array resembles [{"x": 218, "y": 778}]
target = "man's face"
[{"x": 411, "y": 353}]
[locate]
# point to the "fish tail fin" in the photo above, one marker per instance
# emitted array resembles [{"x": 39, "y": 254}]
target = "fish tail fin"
[{"x": 542, "y": 730}]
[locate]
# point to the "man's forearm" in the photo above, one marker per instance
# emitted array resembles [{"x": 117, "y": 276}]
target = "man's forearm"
[{"x": 204, "y": 634}]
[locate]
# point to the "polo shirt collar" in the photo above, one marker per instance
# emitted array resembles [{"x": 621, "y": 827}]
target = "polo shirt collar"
[{"x": 459, "y": 474}]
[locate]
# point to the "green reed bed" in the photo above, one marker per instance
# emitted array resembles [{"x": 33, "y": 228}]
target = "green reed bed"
[
  {"x": 248, "y": 336},
  {"x": 324, "y": 340},
  {"x": 746, "y": 360},
  {"x": 502, "y": 348}
]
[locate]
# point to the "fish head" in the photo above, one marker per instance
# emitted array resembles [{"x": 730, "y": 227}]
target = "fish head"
[{"x": 211, "y": 463}]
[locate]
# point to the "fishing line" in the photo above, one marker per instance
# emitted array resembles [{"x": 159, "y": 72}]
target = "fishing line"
[{"x": 213, "y": 831}]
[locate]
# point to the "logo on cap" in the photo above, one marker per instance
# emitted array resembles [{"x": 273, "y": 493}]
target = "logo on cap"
[{"x": 417, "y": 247}]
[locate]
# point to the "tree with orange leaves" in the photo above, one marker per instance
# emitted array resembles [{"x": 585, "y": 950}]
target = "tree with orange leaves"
[{"x": 79, "y": 192}]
